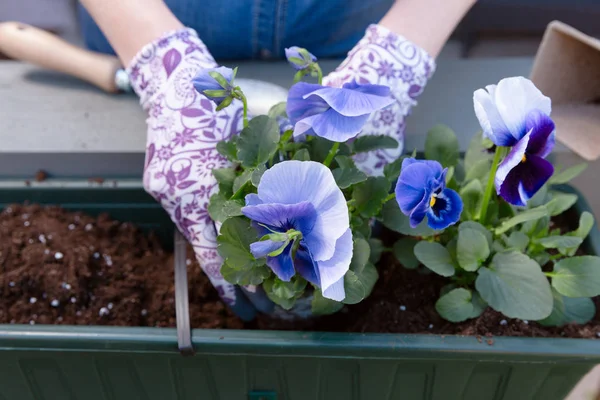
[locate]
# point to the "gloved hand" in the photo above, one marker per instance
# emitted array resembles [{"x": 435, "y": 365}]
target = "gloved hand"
[
  {"x": 184, "y": 129},
  {"x": 385, "y": 58}
]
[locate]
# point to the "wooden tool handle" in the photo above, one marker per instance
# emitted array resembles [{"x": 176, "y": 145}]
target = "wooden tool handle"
[{"x": 26, "y": 43}]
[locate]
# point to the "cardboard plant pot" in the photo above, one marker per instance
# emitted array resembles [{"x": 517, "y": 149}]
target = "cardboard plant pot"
[
  {"x": 100, "y": 363},
  {"x": 567, "y": 69}
]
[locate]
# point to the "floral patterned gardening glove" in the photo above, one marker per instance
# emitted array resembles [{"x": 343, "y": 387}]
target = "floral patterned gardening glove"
[
  {"x": 385, "y": 58},
  {"x": 184, "y": 129}
]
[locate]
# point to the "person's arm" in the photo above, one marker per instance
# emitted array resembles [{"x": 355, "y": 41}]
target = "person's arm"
[
  {"x": 426, "y": 23},
  {"x": 131, "y": 24}
]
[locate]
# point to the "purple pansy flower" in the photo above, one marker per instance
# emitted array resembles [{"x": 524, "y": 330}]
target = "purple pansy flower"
[
  {"x": 204, "y": 82},
  {"x": 299, "y": 58},
  {"x": 524, "y": 170},
  {"x": 421, "y": 191},
  {"x": 515, "y": 113},
  {"x": 336, "y": 114},
  {"x": 307, "y": 225}
]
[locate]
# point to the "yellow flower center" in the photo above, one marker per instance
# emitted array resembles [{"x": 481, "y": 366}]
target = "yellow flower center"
[
  {"x": 432, "y": 201},
  {"x": 523, "y": 159}
]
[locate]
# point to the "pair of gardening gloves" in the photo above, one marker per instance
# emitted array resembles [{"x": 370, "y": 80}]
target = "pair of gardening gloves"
[{"x": 184, "y": 129}]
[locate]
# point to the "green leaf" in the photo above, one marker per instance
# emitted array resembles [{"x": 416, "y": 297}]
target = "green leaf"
[
  {"x": 251, "y": 276},
  {"x": 472, "y": 249},
  {"x": 347, "y": 174},
  {"x": 368, "y": 196},
  {"x": 394, "y": 219},
  {"x": 569, "y": 310},
  {"x": 392, "y": 170},
  {"x": 283, "y": 293},
  {"x": 360, "y": 255},
  {"x": 568, "y": 174},
  {"x": 441, "y": 144},
  {"x": 220, "y": 209},
  {"x": 242, "y": 179},
  {"x": 556, "y": 242},
  {"x": 234, "y": 240},
  {"x": 517, "y": 241},
  {"x": 258, "y": 141},
  {"x": 560, "y": 203},
  {"x": 515, "y": 285},
  {"x": 478, "y": 153},
  {"x": 536, "y": 228},
  {"x": 586, "y": 223},
  {"x": 302, "y": 155},
  {"x": 472, "y": 195},
  {"x": 479, "y": 305},
  {"x": 577, "y": 276},
  {"x": 541, "y": 197},
  {"x": 228, "y": 149},
  {"x": 225, "y": 177},
  {"x": 528, "y": 215},
  {"x": 324, "y": 306},
  {"x": 373, "y": 142},
  {"x": 478, "y": 227},
  {"x": 404, "y": 251},
  {"x": 359, "y": 285},
  {"x": 377, "y": 248},
  {"x": 360, "y": 226},
  {"x": 435, "y": 257},
  {"x": 455, "y": 306},
  {"x": 479, "y": 171},
  {"x": 278, "y": 110},
  {"x": 257, "y": 174}
]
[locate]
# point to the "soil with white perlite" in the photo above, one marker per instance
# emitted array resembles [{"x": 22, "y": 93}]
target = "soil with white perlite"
[{"x": 60, "y": 267}]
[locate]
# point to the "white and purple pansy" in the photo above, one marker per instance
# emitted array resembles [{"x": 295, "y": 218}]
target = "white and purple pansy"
[
  {"x": 516, "y": 114},
  {"x": 302, "y": 216},
  {"x": 421, "y": 191},
  {"x": 336, "y": 114}
]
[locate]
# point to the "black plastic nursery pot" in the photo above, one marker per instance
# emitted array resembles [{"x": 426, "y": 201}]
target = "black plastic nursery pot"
[{"x": 109, "y": 363}]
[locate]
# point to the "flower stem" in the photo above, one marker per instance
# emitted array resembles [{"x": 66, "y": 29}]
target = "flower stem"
[
  {"x": 389, "y": 197},
  {"x": 550, "y": 274},
  {"x": 332, "y": 153},
  {"x": 245, "y": 103},
  {"x": 319, "y": 74},
  {"x": 487, "y": 195}
]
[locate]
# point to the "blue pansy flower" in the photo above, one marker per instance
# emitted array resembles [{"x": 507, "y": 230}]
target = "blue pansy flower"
[
  {"x": 524, "y": 170},
  {"x": 515, "y": 113},
  {"x": 302, "y": 216},
  {"x": 421, "y": 191},
  {"x": 337, "y": 114},
  {"x": 299, "y": 58},
  {"x": 206, "y": 84}
]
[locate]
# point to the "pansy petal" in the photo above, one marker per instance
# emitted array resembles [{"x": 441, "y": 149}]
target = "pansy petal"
[
  {"x": 418, "y": 213},
  {"x": 335, "y": 291},
  {"x": 252, "y": 199},
  {"x": 435, "y": 166},
  {"x": 408, "y": 197},
  {"x": 301, "y": 216},
  {"x": 312, "y": 182},
  {"x": 541, "y": 141},
  {"x": 283, "y": 264},
  {"x": 514, "y": 157},
  {"x": 489, "y": 118},
  {"x": 334, "y": 269},
  {"x": 262, "y": 248},
  {"x": 336, "y": 127},
  {"x": 306, "y": 266},
  {"x": 523, "y": 182},
  {"x": 515, "y": 97},
  {"x": 352, "y": 103},
  {"x": 297, "y": 107},
  {"x": 378, "y": 90},
  {"x": 304, "y": 126},
  {"x": 449, "y": 214}
]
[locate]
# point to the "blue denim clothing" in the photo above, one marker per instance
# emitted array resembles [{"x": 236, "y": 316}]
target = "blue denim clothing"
[{"x": 250, "y": 29}]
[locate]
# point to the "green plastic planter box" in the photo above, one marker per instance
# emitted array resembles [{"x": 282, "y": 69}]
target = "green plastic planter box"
[{"x": 110, "y": 363}]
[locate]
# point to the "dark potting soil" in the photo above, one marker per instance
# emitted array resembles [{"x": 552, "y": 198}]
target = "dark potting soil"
[{"x": 59, "y": 267}]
